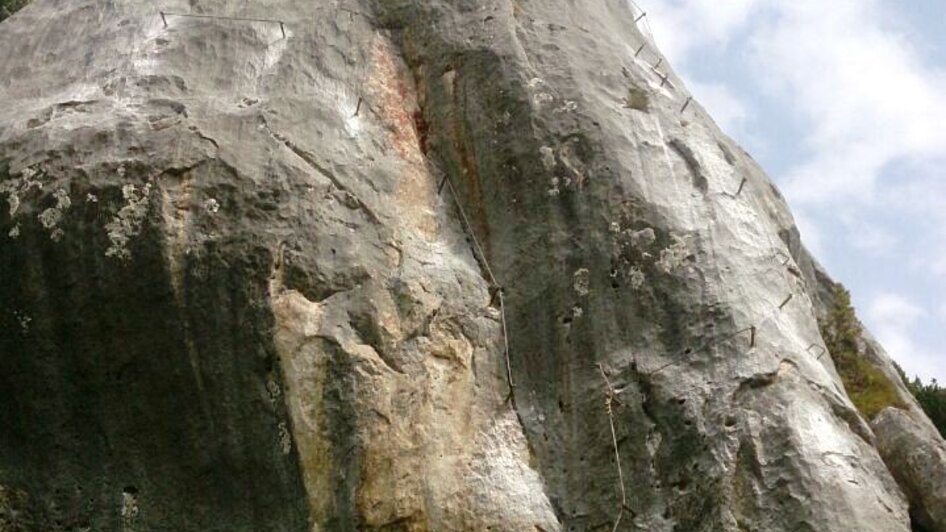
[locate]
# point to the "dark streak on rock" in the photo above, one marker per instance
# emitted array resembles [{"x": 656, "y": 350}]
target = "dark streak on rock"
[{"x": 693, "y": 165}]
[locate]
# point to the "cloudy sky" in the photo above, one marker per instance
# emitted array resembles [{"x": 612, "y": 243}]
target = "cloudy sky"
[{"x": 844, "y": 103}]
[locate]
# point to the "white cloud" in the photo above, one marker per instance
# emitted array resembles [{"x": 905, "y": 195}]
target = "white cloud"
[
  {"x": 895, "y": 310},
  {"x": 683, "y": 25},
  {"x": 894, "y": 319},
  {"x": 938, "y": 264},
  {"x": 871, "y": 238},
  {"x": 912, "y": 358},
  {"x": 810, "y": 233},
  {"x": 866, "y": 97}
]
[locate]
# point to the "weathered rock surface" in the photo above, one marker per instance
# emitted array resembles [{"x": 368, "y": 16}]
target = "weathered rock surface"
[
  {"x": 236, "y": 293},
  {"x": 918, "y": 460}
]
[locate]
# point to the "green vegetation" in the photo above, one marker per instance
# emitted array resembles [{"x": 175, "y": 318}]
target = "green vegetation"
[
  {"x": 931, "y": 397},
  {"x": 868, "y": 387},
  {"x": 9, "y": 7}
]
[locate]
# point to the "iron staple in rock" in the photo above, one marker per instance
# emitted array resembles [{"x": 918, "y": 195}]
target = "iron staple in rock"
[
  {"x": 165, "y": 14},
  {"x": 821, "y": 349},
  {"x": 663, "y": 79}
]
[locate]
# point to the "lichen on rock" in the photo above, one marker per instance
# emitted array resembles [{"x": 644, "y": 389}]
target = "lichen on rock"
[
  {"x": 357, "y": 268},
  {"x": 128, "y": 221}
]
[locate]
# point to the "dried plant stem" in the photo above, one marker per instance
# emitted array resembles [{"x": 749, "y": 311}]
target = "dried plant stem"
[{"x": 609, "y": 399}]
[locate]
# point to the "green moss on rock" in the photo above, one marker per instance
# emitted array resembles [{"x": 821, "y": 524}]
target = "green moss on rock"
[
  {"x": 9, "y": 7},
  {"x": 868, "y": 387}
]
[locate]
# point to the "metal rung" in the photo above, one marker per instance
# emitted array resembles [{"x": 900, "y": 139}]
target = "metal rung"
[
  {"x": 820, "y": 348},
  {"x": 165, "y": 14}
]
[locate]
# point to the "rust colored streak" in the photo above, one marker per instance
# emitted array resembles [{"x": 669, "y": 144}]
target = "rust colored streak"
[
  {"x": 421, "y": 128},
  {"x": 393, "y": 100},
  {"x": 467, "y": 162},
  {"x": 397, "y": 103}
]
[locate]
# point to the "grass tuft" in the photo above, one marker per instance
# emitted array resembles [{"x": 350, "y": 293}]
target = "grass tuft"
[{"x": 867, "y": 385}]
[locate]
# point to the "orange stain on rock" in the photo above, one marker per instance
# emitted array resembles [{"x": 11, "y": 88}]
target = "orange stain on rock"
[{"x": 394, "y": 98}]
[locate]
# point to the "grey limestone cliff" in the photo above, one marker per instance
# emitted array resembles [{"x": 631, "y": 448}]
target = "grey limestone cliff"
[{"x": 267, "y": 275}]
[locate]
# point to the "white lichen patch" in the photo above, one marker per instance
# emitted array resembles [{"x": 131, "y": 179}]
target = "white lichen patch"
[
  {"x": 542, "y": 99},
  {"x": 13, "y": 199},
  {"x": 553, "y": 187},
  {"x": 674, "y": 256},
  {"x": 643, "y": 238},
  {"x": 51, "y": 217},
  {"x": 23, "y": 320},
  {"x": 548, "y": 157},
  {"x": 62, "y": 199},
  {"x": 211, "y": 205},
  {"x": 568, "y": 154},
  {"x": 568, "y": 106},
  {"x": 15, "y": 232},
  {"x": 582, "y": 282},
  {"x": 285, "y": 439},
  {"x": 127, "y": 223},
  {"x": 636, "y": 278},
  {"x": 274, "y": 390},
  {"x": 129, "y": 509},
  {"x": 18, "y": 187}
]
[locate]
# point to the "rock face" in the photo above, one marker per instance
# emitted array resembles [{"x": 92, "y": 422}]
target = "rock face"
[
  {"x": 918, "y": 460},
  {"x": 267, "y": 275}
]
